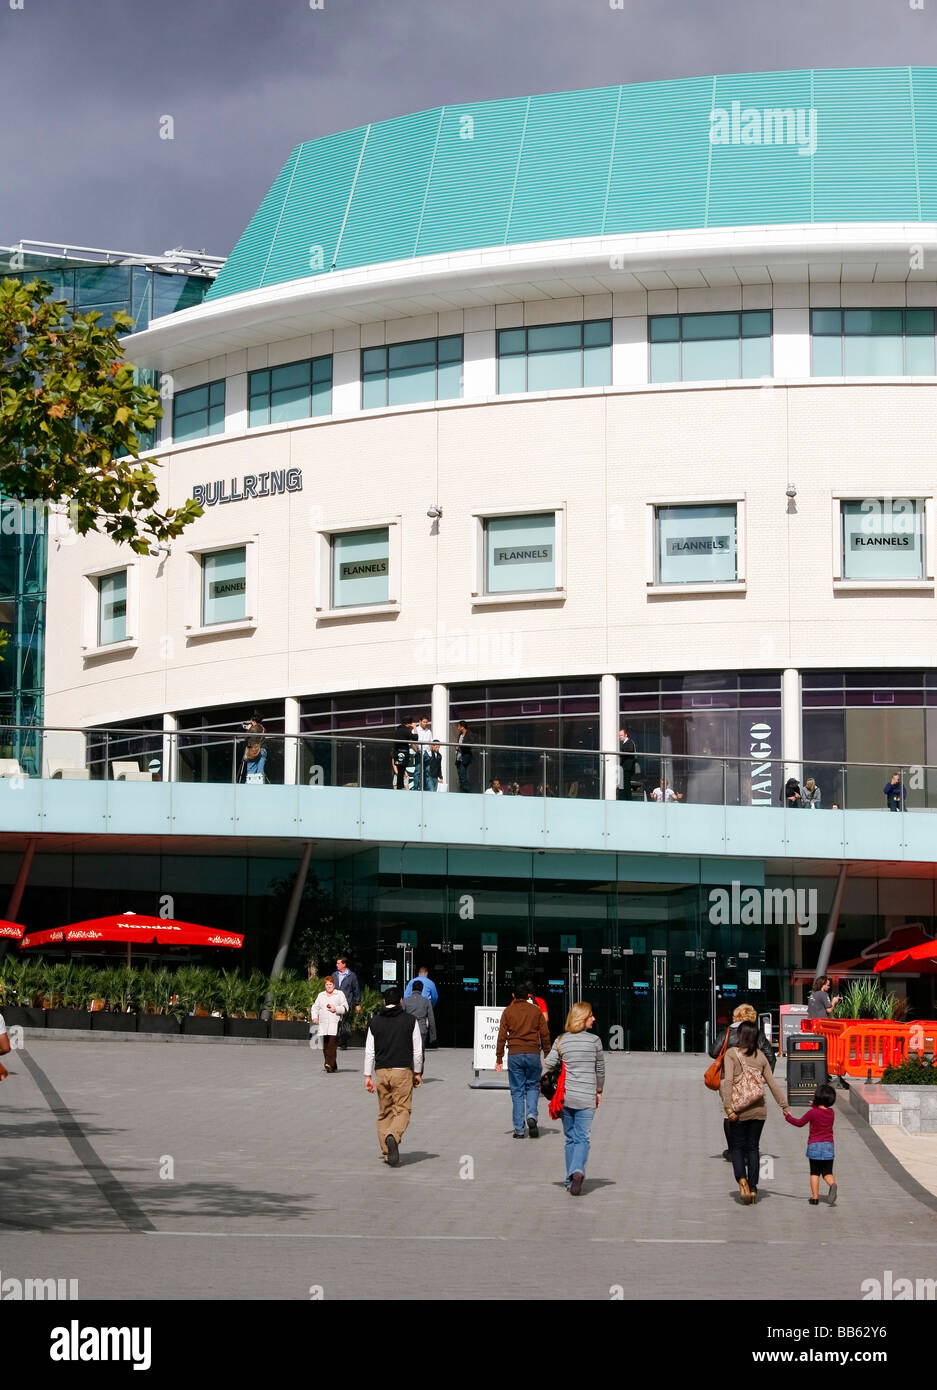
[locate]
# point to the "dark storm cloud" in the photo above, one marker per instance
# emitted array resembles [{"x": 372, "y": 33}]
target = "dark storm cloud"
[{"x": 84, "y": 83}]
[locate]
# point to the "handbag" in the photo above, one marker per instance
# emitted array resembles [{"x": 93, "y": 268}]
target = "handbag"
[
  {"x": 550, "y": 1079},
  {"x": 713, "y": 1073},
  {"x": 747, "y": 1089}
]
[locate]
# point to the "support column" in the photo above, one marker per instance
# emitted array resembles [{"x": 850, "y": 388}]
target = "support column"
[
  {"x": 792, "y": 742},
  {"x": 16, "y": 897},
  {"x": 290, "y": 742},
  {"x": 170, "y": 748},
  {"x": 439, "y": 723},
  {"x": 608, "y": 735},
  {"x": 289, "y": 921},
  {"x": 826, "y": 946}
]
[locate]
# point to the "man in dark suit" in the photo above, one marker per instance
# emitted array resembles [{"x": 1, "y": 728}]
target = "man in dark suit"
[
  {"x": 347, "y": 981},
  {"x": 463, "y": 755},
  {"x": 626, "y": 764}
]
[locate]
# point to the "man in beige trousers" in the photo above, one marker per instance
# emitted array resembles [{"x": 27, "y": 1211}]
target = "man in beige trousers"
[{"x": 393, "y": 1065}]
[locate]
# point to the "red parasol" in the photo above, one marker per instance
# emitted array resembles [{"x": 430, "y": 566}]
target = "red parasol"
[
  {"x": 10, "y": 930},
  {"x": 915, "y": 960},
  {"x": 133, "y": 929}
]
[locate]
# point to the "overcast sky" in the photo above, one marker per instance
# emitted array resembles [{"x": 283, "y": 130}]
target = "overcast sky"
[{"x": 84, "y": 85}]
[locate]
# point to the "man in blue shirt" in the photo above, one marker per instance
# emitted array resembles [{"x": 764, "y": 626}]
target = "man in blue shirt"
[{"x": 430, "y": 991}]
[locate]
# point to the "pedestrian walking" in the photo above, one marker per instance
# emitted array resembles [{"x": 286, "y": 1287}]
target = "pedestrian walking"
[
  {"x": 896, "y": 793},
  {"x": 746, "y": 1075},
  {"x": 821, "y": 1118},
  {"x": 581, "y": 1053},
  {"x": 810, "y": 796},
  {"x": 4, "y": 1047},
  {"x": 463, "y": 755},
  {"x": 820, "y": 1005},
  {"x": 328, "y": 1009},
  {"x": 347, "y": 981},
  {"x": 430, "y": 991},
  {"x": 743, "y": 1013},
  {"x": 524, "y": 1030},
  {"x": 418, "y": 1006},
  {"x": 393, "y": 1065}
]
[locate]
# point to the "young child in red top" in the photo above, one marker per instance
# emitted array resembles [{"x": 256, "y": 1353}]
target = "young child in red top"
[{"x": 821, "y": 1117}]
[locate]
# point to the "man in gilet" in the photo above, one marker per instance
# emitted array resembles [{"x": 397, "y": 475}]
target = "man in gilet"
[{"x": 393, "y": 1065}]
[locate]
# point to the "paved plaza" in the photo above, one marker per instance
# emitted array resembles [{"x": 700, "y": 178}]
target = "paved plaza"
[{"x": 183, "y": 1171}]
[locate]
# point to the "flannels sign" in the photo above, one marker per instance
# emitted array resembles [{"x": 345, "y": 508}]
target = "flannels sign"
[{"x": 251, "y": 485}]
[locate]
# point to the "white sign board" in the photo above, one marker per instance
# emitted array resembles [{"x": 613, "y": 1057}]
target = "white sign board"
[
  {"x": 389, "y": 971},
  {"x": 487, "y": 1023},
  {"x": 754, "y": 979}
]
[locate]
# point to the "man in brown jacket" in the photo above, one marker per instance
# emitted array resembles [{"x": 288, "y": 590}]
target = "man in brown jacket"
[{"x": 525, "y": 1030}]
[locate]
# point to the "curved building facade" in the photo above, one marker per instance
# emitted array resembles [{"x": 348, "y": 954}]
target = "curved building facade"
[{"x": 558, "y": 415}]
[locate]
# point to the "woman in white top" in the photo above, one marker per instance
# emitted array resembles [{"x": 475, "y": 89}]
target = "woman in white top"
[{"x": 327, "y": 1011}]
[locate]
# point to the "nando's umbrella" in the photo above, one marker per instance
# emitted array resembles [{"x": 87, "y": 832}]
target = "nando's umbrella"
[
  {"x": 914, "y": 960},
  {"x": 132, "y": 929},
  {"x": 10, "y": 931}
]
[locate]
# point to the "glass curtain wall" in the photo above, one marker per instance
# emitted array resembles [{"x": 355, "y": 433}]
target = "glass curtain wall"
[
  {"x": 685, "y": 727},
  {"x": 373, "y": 714},
  {"x": 531, "y": 716},
  {"x": 23, "y": 549},
  {"x": 212, "y": 742}
]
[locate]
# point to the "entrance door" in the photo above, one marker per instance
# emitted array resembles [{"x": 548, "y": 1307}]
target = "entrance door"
[
  {"x": 573, "y": 976},
  {"x": 659, "y": 1000},
  {"x": 693, "y": 999}
]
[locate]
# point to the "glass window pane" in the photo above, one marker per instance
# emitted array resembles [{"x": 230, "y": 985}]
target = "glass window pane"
[
  {"x": 450, "y": 349},
  {"x": 512, "y": 373},
  {"x": 598, "y": 333},
  {"x": 259, "y": 413},
  {"x": 216, "y": 393},
  {"x": 665, "y": 328},
  {"x": 597, "y": 366},
  {"x": 827, "y": 357},
  {"x": 883, "y": 538},
  {"x": 321, "y": 397},
  {"x": 756, "y": 324},
  {"x": 556, "y": 335},
  {"x": 873, "y": 356},
  {"x": 408, "y": 385},
  {"x": 875, "y": 321},
  {"x": 756, "y": 357},
  {"x": 520, "y": 553},
  {"x": 291, "y": 404},
  {"x": 374, "y": 360},
  {"x": 919, "y": 356},
  {"x": 696, "y": 544},
  {"x": 188, "y": 402},
  {"x": 449, "y": 381},
  {"x": 360, "y": 568},
  {"x": 418, "y": 354},
  {"x": 224, "y": 586},
  {"x": 554, "y": 371},
  {"x": 698, "y": 327},
  {"x": 512, "y": 340},
  {"x": 112, "y": 608},
  {"x": 826, "y": 321},
  {"x": 322, "y": 369},
  {"x": 291, "y": 375},
  {"x": 258, "y": 383},
  {"x": 919, "y": 321},
  {"x": 711, "y": 361},
  {"x": 373, "y": 391},
  {"x": 665, "y": 361}
]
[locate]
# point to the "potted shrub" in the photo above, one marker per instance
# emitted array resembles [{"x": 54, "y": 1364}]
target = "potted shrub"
[
  {"x": 292, "y": 1018},
  {"x": 120, "y": 986},
  {"x": 236, "y": 995},
  {"x": 866, "y": 999},
  {"x": 155, "y": 993},
  {"x": 25, "y": 978},
  {"x": 69, "y": 1009},
  {"x": 197, "y": 988},
  {"x": 371, "y": 1001}
]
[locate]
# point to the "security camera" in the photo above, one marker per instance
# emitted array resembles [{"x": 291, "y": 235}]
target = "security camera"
[
  {"x": 790, "y": 490},
  {"x": 435, "y": 511}
]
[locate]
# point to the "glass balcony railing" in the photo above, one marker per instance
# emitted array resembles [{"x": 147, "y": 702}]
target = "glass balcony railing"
[{"x": 143, "y": 753}]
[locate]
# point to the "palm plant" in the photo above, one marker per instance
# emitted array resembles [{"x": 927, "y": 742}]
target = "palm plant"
[
  {"x": 74, "y": 993},
  {"x": 232, "y": 993},
  {"x": 371, "y": 1001},
  {"x": 255, "y": 993},
  {"x": 867, "y": 999}
]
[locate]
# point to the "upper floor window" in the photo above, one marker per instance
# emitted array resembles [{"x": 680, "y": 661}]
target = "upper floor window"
[
  {"x": 883, "y": 538},
  {"x": 710, "y": 347},
  {"x": 557, "y": 357},
  {"x": 872, "y": 342},
  {"x": 112, "y": 608},
  {"x": 224, "y": 586},
  {"x": 294, "y": 391},
  {"x": 360, "y": 567},
  {"x": 697, "y": 544},
  {"x": 198, "y": 412},
  {"x": 520, "y": 553},
  {"x": 409, "y": 373}
]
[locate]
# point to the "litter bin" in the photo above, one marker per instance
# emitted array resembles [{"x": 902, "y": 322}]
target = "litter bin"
[{"x": 806, "y": 1067}]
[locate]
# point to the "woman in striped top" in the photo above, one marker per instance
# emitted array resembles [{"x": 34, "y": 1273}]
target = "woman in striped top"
[{"x": 581, "y": 1051}]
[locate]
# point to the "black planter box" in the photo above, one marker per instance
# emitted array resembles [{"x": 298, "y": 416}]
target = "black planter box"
[
  {"x": 289, "y": 1028},
  {"x": 246, "y": 1028},
  {"x": 24, "y": 1016},
  {"x": 104, "y": 1022},
  {"x": 354, "y": 1039},
  {"x": 158, "y": 1023},
  {"x": 203, "y": 1027},
  {"x": 68, "y": 1018}
]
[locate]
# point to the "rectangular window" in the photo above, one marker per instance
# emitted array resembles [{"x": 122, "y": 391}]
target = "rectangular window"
[
  {"x": 872, "y": 342},
  {"x": 883, "y": 538},
  {"x": 410, "y": 373},
  {"x": 520, "y": 553},
  {"x": 295, "y": 391},
  {"x": 361, "y": 568},
  {"x": 710, "y": 347},
  {"x": 224, "y": 586},
  {"x": 556, "y": 357},
  {"x": 697, "y": 544},
  {"x": 112, "y": 608},
  {"x": 198, "y": 412}
]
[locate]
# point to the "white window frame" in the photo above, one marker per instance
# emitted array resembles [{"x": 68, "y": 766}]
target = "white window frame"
[
  {"x": 737, "y": 586},
  {"x": 194, "y": 627},
  {"x": 925, "y": 584},
  {"x": 557, "y": 594},
  {"x": 90, "y": 646},
  {"x": 324, "y": 609}
]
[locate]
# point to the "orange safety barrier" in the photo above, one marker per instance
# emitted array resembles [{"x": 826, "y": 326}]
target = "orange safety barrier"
[{"x": 857, "y": 1047}]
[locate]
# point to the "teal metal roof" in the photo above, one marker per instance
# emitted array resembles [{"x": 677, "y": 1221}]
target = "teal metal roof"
[{"x": 609, "y": 161}]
